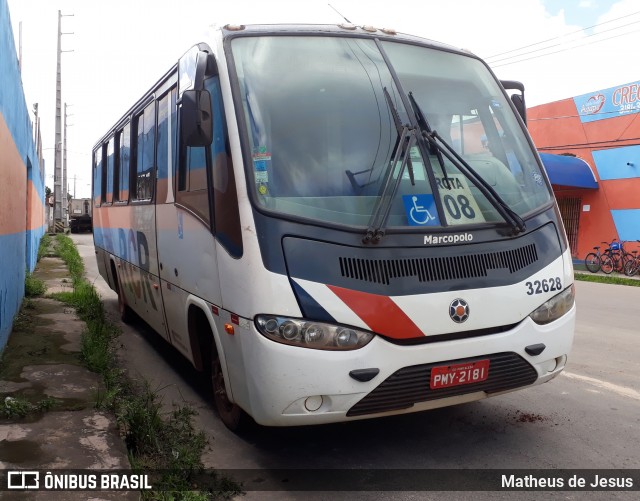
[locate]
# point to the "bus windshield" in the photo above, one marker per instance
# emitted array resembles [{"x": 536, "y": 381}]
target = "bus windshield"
[{"x": 325, "y": 121}]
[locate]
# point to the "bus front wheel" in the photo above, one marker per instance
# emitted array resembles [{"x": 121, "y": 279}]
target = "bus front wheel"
[
  {"x": 126, "y": 313},
  {"x": 230, "y": 414}
]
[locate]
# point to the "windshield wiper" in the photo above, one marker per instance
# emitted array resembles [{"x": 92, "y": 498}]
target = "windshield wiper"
[
  {"x": 399, "y": 129},
  {"x": 436, "y": 142},
  {"x": 401, "y": 150}
]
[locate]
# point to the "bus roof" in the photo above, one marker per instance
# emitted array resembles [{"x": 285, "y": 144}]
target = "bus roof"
[{"x": 333, "y": 29}]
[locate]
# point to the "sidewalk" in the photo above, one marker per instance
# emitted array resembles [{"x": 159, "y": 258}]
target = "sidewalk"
[
  {"x": 41, "y": 365},
  {"x": 613, "y": 274}
]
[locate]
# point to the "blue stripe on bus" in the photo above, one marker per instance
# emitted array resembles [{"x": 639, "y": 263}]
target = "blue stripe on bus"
[
  {"x": 310, "y": 307},
  {"x": 125, "y": 244}
]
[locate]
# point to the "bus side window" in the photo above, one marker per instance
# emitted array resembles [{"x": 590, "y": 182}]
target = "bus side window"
[
  {"x": 103, "y": 174},
  {"x": 165, "y": 145},
  {"x": 97, "y": 176},
  {"x": 144, "y": 144},
  {"x": 225, "y": 195},
  {"x": 109, "y": 171},
  {"x": 122, "y": 170},
  {"x": 192, "y": 189}
]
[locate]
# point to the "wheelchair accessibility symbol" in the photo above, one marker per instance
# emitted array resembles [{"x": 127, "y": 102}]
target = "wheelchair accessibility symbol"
[{"x": 420, "y": 210}]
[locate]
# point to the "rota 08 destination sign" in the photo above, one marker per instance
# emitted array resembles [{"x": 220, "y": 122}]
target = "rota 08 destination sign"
[{"x": 609, "y": 103}]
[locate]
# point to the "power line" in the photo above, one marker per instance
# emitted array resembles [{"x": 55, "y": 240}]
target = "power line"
[
  {"x": 584, "y": 115},
  {"x": 564, "y": 50},
  {"x": 561, "y": 36},
  {"x": 560, "y": 44},
  {"x": 603, "y": 145}
]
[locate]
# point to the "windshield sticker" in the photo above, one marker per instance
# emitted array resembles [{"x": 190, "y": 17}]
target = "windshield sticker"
[
  {"x": 261, "y": 177},
  {"x": 263, "y": 189},
  {"x": 421, "y": 210},
  {"x": 261, "y": 154},
  {"x": 460, "y": 206},
  {"x": 537, "y": 178},
  {"x": 261, "y": 158}
]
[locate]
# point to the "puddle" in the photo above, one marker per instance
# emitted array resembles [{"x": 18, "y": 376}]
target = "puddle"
[{"x": 20, "y": 451}]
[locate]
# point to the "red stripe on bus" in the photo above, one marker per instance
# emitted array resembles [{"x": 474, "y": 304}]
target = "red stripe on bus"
[{"x": 380, "y": 313}]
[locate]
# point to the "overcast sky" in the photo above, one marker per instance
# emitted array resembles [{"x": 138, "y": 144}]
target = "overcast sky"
[{"x": 121, "y": 47}]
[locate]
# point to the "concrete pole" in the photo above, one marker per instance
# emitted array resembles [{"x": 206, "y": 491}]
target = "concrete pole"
[
  {"x": 57, "y": 159},
  {"x": 64, "y": 171}
]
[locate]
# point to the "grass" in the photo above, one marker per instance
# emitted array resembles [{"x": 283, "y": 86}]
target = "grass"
[
  {"x": 19, "y": 407},
  {"x": 45, "y": 243},
  {"x": 66, "y": 250},
  {"x": 33, "y": 286},
  {"x": 607, "y": 279},
  {"x": 168, "y": 444}
]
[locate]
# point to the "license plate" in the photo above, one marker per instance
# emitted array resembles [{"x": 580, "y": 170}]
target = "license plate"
[{"x": 445, "y": 376}]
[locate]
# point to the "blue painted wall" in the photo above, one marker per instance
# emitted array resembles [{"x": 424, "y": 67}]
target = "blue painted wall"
[
  {"x": 627, "y": 223},
  {"x": 618, "y": 163},
  {"x": 22, "y": 229}
]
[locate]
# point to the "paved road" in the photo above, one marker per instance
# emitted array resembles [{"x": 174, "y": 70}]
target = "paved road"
[{"x": 589, "y": 417}]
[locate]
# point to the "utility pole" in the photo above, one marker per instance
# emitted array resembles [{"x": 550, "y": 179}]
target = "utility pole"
[
  {"x": 64, "y": 169},
  {"x": 65, "y": 187},
  {"x": 58, "y": 213}
]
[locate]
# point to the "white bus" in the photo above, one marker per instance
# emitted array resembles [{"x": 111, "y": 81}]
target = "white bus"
[{"x": 336, "y": 223}]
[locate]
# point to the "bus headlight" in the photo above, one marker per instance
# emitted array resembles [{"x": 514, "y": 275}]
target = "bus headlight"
[
  {"x": 316, "y": 335},
  {"x": 555, "y": 307}
]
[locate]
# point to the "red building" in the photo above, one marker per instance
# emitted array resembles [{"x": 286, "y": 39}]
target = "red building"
[{"x": 599, "y": 199}]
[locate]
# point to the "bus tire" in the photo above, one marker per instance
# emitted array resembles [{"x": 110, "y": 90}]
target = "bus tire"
[
  {"x": 126, "y": 313},
  {"x": 233, "y": 417}
]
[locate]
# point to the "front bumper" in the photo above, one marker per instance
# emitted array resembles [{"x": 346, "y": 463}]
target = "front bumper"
[{"x": 289, "y": 386}]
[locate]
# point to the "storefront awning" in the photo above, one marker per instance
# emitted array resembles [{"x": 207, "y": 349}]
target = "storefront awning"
[{"x": 568, "y": 171}]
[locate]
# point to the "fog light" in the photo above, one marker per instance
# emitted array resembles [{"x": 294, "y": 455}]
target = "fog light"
[
  {"x": 550, "y": 365},
  {"x": 312, "y": 404}
]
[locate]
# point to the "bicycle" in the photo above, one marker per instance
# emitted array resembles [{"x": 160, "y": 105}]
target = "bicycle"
[
  {"x": 618, "y": 254},
  {"x": 632, "y": 265},
  {"x": 596, "y": 261}
]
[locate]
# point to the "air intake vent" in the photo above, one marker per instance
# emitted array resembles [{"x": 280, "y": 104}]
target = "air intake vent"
[
  {"x": 436, "y": 269},
  {"x": 410, "y": 385}
]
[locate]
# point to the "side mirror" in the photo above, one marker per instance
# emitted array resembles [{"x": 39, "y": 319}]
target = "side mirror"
[
  {"x": 196, "y": 119},
  {"x": 518, "y": 102},
  {"x": 517, "y": 99}
]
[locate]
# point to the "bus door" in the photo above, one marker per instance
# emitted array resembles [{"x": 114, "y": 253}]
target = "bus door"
[{"x": 186, "y": 246}]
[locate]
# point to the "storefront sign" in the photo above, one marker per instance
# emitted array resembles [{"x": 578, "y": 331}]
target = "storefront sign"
[{"x": 609, "y": 103}]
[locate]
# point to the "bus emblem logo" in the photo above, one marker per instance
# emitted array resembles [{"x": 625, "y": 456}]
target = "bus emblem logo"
[{"x": 459, "y": 310}]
